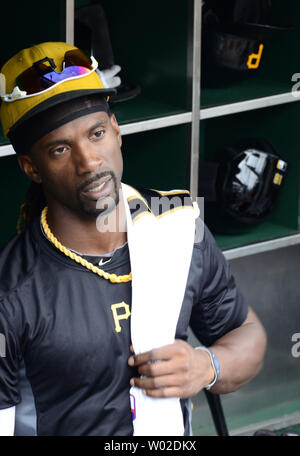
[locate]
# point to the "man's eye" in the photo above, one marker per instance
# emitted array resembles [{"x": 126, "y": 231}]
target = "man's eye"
[
  {"x": 98, "y": 134},
  {"x": 59, "y": 150}
]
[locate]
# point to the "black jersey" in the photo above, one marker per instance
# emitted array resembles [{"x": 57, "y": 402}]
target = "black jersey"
[{"x": 72, "y": 329}]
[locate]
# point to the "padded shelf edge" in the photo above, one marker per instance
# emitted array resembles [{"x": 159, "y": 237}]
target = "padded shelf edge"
[
  {"x": 248, "y": 105},
  {"x": 158, "y": 122},
  {"x": 260, "y": 247},
  {"x": 6, "y": 150}
]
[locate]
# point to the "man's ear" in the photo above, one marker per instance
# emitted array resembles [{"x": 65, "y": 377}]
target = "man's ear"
[
  {"x": 28, "y": 167},
  {"x": 116, "y": 127}
]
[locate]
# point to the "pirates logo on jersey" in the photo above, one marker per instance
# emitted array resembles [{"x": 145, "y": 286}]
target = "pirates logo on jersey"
[{"x": 120, "y": 311}]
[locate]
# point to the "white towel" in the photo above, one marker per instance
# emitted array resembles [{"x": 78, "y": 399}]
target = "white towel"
[{"x": 160, "y": 253}]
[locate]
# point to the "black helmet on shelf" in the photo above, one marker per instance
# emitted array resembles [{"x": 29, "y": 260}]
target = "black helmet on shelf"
[
  {"x": 242, "y": 184},
  {"x": 235, "y": 33}
]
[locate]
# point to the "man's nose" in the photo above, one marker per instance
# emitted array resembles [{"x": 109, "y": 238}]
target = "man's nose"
[{"x": 86, "y": 158}]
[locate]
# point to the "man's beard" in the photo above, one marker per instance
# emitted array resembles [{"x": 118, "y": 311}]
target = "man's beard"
[{"x": 104, "y": 208}]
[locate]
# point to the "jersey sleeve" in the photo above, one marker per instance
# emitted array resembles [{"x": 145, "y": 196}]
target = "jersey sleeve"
[
  {"x": 9, "y": 362},
  {"x": 220, "y": 306}
]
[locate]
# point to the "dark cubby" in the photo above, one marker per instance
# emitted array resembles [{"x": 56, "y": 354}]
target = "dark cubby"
[
  {"x": 149, "y": 42},
  {"x": 279, "y": 61},
  {"x": 278, "y": 125},
  {"x": 27, "y": 23},
  {"x": 157, "y": 159}
]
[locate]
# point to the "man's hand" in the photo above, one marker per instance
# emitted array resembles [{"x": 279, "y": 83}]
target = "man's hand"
[
  {"x": 175, "y": 370},
  {"x": 178, "y": 370}
]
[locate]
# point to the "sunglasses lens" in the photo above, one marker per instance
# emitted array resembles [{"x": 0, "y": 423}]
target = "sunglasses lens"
[
  {"x": 40, "y": 77},
  {"x": 52, "y": 77},
  {"x": 30, "y": 80},
  {"x": 77, "y": 58}
]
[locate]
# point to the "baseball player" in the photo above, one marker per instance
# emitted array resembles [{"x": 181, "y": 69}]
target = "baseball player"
[{"x": 67, "y": 284}]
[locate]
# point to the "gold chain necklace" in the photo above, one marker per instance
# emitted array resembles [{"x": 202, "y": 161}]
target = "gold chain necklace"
[{"x": 112, "y": 277}]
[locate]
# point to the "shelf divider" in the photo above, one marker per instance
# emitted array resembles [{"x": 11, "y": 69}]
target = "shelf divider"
[
  {"x": 248, "y": 105},
  {"x": 158, "y": 122},
  {"x": 6, "y": 150},
  {"x": 70, "y": 8},
  {"x": 260, "y": 247},
  {"x": 196, "y": 90}
]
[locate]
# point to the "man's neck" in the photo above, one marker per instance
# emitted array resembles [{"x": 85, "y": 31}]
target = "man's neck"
[{"x": 94, "y": 236}]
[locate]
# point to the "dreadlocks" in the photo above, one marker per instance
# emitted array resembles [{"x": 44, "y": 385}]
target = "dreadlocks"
[{"x": 34, "y": 203}]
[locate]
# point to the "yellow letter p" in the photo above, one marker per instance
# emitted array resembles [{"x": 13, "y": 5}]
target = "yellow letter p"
[{"x": 120, "y": 316}]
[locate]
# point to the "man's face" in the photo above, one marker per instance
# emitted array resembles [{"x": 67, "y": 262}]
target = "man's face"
[{"x": 79, "y": 164}]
